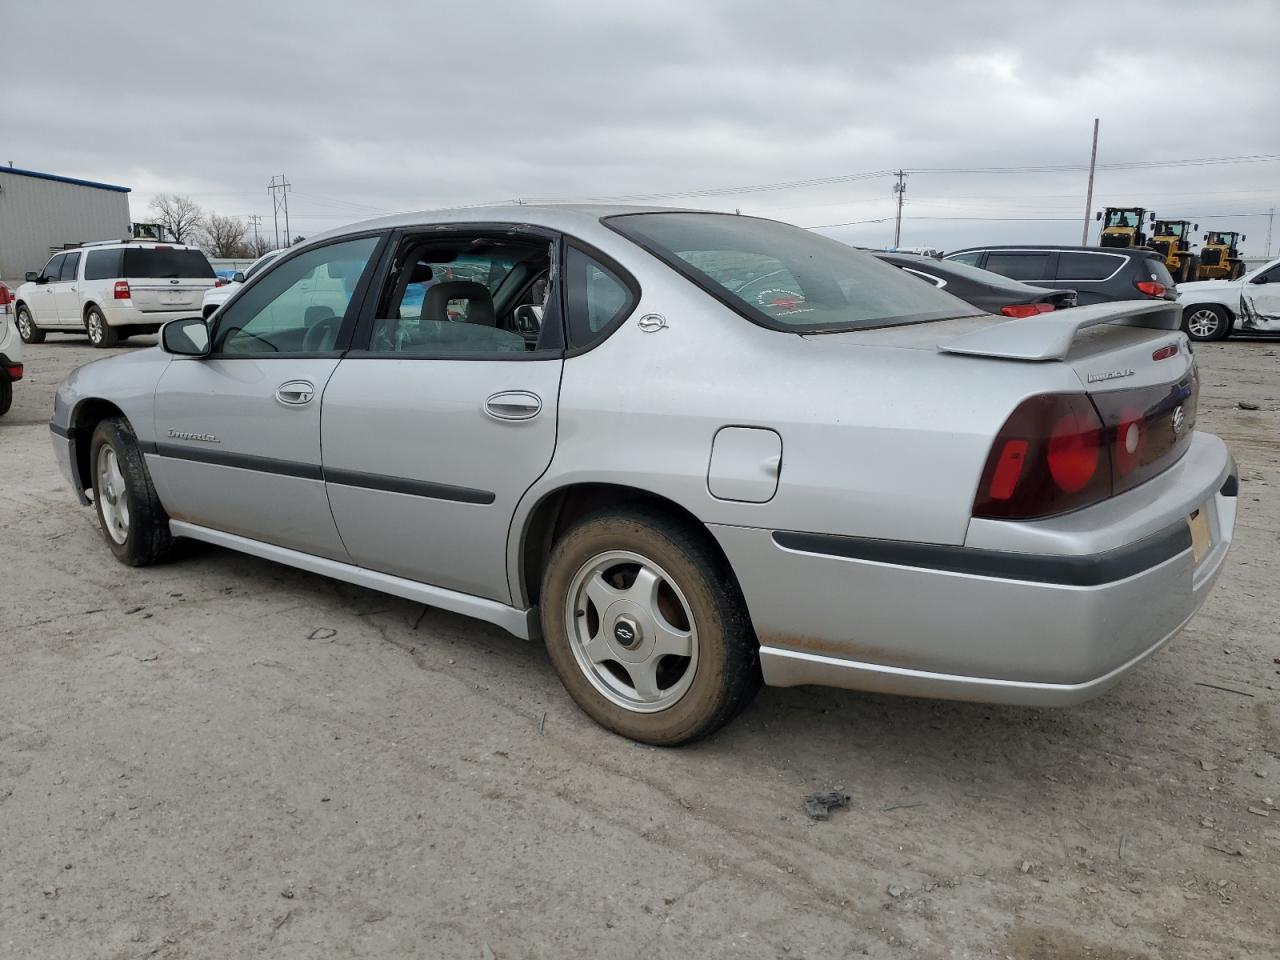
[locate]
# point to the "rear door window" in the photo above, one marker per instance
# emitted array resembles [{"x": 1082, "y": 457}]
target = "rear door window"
[
  {"x": 1020, "y": 264},
  {"x": 1087, "y": 266},
  {"x": 143, "y": 262},
  {"x": 102, "y": 264},
  {"x": 596, "y": 298},
  {"x": 970, "y": 258},
  {"x": 70, "y": 264}
]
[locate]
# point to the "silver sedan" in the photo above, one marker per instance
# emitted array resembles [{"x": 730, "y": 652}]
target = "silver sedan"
[{"x": 690, "y": 451}]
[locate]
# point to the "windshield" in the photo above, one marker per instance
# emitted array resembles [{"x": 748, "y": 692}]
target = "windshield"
[
  {"x": 154, "y": 262},
  {"x": 785, "y": 277},
  {"x": 1166, "y": 229},
  {"x": 1223, "y": 238},
  {"x": 1123, "y": 218}
]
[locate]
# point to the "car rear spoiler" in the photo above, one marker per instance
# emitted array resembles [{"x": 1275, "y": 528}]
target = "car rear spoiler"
[{"x": 1048, "y": 336}]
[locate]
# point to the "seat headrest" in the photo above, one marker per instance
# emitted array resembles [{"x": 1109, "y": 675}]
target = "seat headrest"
[
  {"x": 435, "y": 306},
  {"x": 421, "y": 273}
]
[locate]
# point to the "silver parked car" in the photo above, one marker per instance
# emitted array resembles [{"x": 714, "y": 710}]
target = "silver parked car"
[{"x": 691, "y": 451}]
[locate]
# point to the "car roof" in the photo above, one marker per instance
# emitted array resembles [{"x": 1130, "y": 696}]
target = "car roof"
[
  {"x": 552, "y": 216},
  {"x": 1121, "y": 251},
  {"x": 960, "y": 271}
]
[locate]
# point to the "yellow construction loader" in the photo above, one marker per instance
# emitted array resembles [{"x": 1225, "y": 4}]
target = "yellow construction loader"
[
  {"x": 1172, "y": 240},
  {"x": 1220, "y": 256},
  {"x": 1122, "y": 226}
]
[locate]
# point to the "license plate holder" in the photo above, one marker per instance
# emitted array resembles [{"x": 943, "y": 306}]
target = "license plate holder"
[
  {"x": 1201, "y": 537},
  {"x": 175, "y": 297}
]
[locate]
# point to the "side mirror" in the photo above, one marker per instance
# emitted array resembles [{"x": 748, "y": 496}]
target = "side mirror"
[
  {"x": 238, "y": 277},
  {"x": 1195, "y": 226},
  {"x": 188, "y": 337},
  {"x": 528, "y": 319},
  {"x": 1260, "y": 278},
  {"x": 1098, "y": 215},
  {"x": 1243, "y": 238},
  {"x": 32, "y": 277}
]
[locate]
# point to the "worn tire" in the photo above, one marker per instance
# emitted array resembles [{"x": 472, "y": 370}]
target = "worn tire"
[
  {"x": 148, "y": 540},
  {"x": 101, "y": 334},
  {"x": 27, "y": 329},
  {"x": 727, "y": 671},
  {"x": 1197, "y": 321},
  {"x": 6, "y": 393}
]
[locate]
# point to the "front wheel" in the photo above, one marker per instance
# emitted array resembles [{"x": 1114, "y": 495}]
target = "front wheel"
[
  {"x": 27, "y": 328},
  {"x": 645, "y": 624},
  {"x": 133, "y": 522},
  {"x": 101, "y": 333},
  {"x": 1206, "y": 322}
]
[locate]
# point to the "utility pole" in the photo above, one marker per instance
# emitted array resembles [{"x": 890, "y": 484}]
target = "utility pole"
[
  {"x": 1270, "y": 217},
  {"x": 1088, "y": 198},
  {"x": 899, "y": 188},
  {"x": 279, "y": 190},
  {"x": 255, "y": 220}
]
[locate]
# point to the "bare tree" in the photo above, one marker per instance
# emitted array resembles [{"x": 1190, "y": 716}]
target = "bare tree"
[
  {"x": 260, "y": 245},
  {"x": 224, "y": 237},
  {"x": 178, "y": 215}
]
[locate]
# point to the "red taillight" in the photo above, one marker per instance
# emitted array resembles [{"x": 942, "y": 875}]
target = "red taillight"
[
  {"x": 14, "y": 370},
  {"x": 6, "y": 297},
  {"x": 1074, "y": 448},
  {"x": 219, "y": 282},
  {"x": 122, "y": 290},
  {"x": 1063, "y": 451},
  {"x": 1026, "y": 309},
  {"x": 1152, "y": 288},
  {"x": 1049, "y": 457},
  {"x": 1164, "y": 353}
]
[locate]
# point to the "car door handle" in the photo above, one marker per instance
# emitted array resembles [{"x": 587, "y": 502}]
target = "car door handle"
[
  {"x": 513, "y": 405},
  {"x": 295, "y": 392}
]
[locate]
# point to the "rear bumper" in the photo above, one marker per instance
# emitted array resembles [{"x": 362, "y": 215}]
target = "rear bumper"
[
  {"x": 124, "y": 314},
  {"x": 1043, "y": 627}
]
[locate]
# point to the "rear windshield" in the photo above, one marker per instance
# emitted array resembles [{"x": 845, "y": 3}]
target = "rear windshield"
[
  {"x": 785, "y": 277},
  {"x": 140, "y": 262}
]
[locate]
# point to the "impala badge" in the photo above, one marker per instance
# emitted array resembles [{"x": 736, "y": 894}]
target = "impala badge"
[
  {"x": 652, "y": 322},
  {"x": 1111, "y": 375},
  {"x": 183, "y": 435},
  {"x": 1179, "y": 420}
]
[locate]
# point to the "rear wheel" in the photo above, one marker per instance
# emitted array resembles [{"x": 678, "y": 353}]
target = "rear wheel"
[
  {"x": 27, "y": 328},
  {"x": 101, "y": 334},
  {"x": 133, "y": 522},
  {"x": 645, "y": 625},
  {"x": 1206, "y": 322}
]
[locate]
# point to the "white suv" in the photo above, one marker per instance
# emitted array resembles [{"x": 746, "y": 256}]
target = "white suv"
[
  {"x": 112, "y": 290},
  {"x": 10, "y": 350},
  {"x": 217, "y": 296}
]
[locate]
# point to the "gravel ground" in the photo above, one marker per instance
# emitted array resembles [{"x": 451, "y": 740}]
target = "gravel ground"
[{"x": 226, "y": 758}]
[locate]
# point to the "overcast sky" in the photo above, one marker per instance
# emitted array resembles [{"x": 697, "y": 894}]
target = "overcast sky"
[{"x": 377, "y": 107}]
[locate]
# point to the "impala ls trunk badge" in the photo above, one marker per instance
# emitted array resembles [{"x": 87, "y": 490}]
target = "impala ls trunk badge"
[{"x": 1111, "y": 375}]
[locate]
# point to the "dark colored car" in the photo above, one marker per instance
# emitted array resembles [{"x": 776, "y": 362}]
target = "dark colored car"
[
  {"x": 1097, "y": 274},
  {"x": 985, "y": 290}
]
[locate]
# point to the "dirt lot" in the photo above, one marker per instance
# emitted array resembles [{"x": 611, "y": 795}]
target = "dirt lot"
[{"x": 226, "y": 758}]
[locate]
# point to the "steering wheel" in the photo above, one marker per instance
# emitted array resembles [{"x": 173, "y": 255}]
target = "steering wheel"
[{"x": 317, "y": 337}]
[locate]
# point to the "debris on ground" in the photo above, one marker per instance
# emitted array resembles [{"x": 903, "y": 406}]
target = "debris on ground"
[
  {"x": 322, "y": 633},
  {"x": 1246, "y": 405},
  {"x": 896, "y": 891},
  {"x": 819, "y": 805}
]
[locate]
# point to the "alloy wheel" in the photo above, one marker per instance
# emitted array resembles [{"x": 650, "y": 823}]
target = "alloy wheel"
[
  {"x": 632, "y": 631},
  {"x": 1203, "y": 323},
  {"x": 113, "y": 495}
]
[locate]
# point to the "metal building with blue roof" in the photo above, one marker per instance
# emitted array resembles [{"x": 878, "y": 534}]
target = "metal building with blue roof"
[{"x": 41, "y": 213}]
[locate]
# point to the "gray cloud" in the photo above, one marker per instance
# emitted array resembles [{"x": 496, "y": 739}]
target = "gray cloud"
[{"x": 376, "y": 107}]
